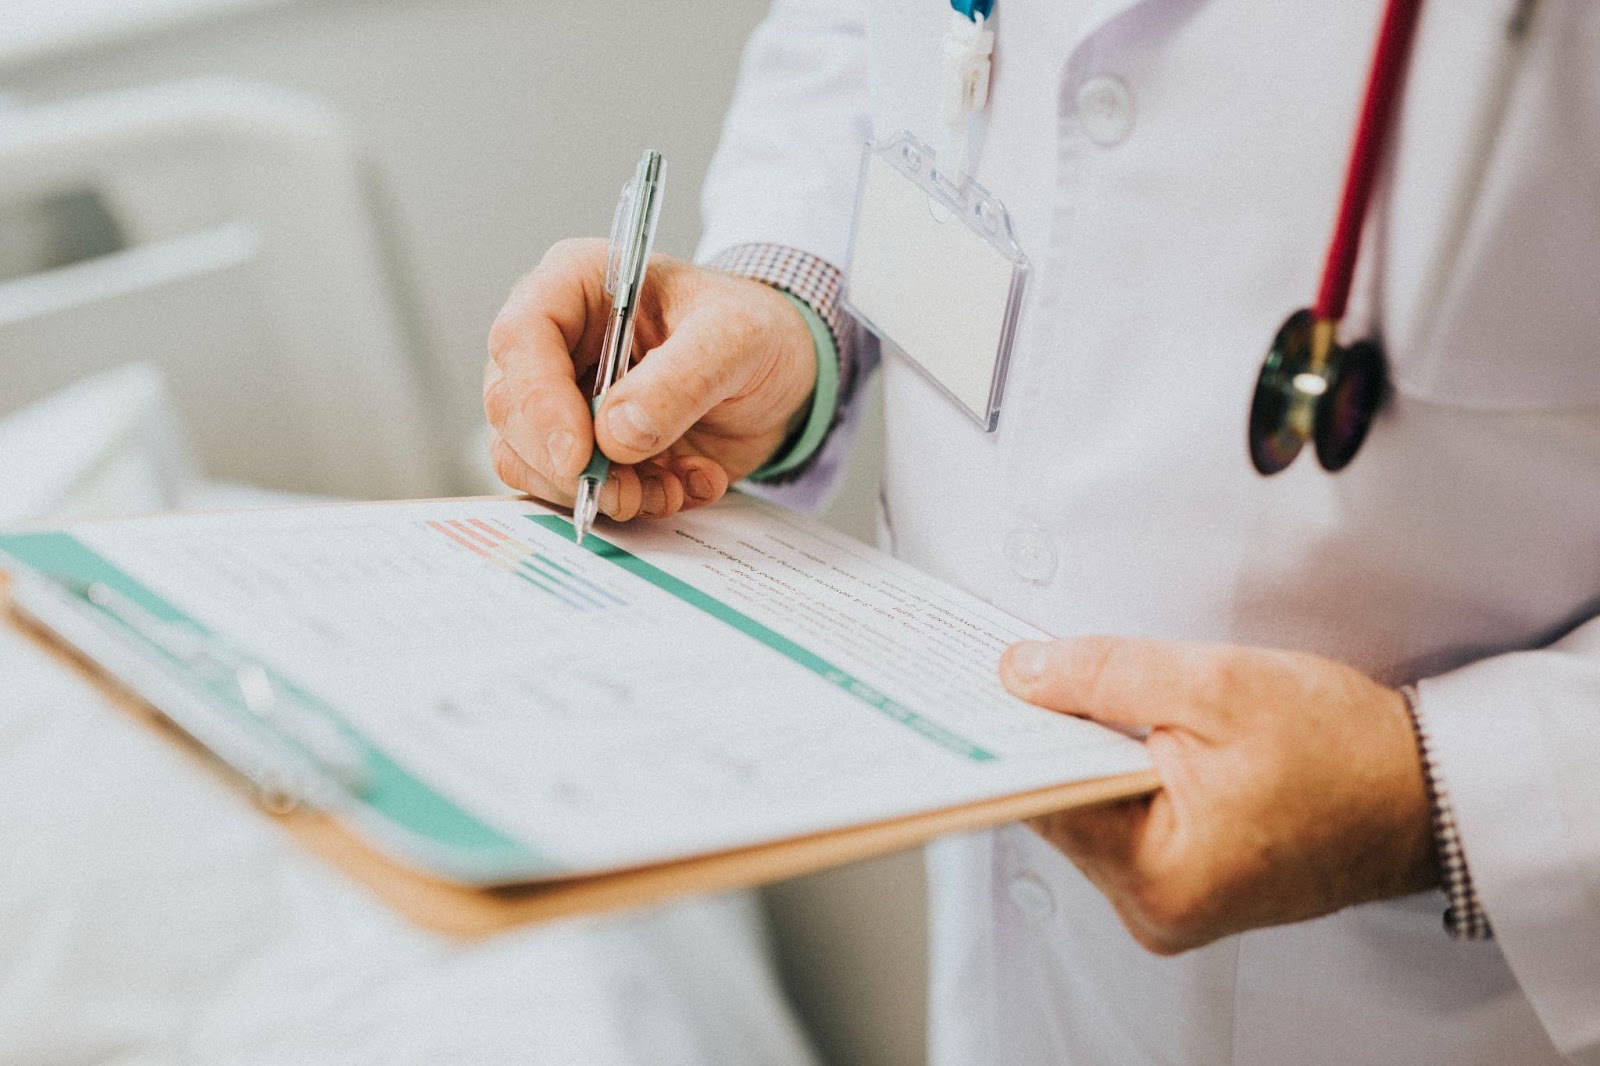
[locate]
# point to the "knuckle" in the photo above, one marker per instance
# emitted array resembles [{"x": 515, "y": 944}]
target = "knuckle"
[
  {"x": 562, "y": 251},
  {"x": 508, "y": 466},
  {"x": 1091, "y": 653},
  {"x": 1092, "y": 660},
  {"x": 504, "y": 335},
  {"x": 497, "y": 403},
  {"x": 1216, "y": 676},
  {"x": 499, "y": 410},
  {"x": 568, "y": 254}
]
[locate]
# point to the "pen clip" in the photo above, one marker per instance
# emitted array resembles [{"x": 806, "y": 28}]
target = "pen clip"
[
  {"x": 614, "y": 244},
  {"x": 633, "y": 230}
]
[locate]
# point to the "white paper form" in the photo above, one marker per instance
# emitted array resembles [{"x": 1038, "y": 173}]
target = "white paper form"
[{"x": 731, "y": 676}]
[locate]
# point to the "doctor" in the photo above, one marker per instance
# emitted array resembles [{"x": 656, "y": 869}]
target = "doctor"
[{"x": 1374, "y": 697}]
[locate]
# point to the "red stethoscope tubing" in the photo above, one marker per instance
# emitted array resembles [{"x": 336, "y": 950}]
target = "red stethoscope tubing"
[{"x": 1384, "y": 85}]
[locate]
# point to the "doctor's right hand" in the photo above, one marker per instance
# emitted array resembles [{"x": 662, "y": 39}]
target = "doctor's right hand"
[{"x": 724, "y": 369}]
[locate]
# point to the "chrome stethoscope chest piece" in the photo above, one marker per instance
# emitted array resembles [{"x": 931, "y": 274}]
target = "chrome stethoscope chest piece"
[{"x": 1312, "y": 389}]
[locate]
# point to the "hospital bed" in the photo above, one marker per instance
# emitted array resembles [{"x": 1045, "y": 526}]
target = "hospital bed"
[
  {"x": 199, "y": 196},
  {"x": 147, "y": 914}
]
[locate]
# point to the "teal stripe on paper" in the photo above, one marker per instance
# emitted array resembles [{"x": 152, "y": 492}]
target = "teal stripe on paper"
[
  {"x": 772, "y": 639},
  {"x": 464, "y": 845}
]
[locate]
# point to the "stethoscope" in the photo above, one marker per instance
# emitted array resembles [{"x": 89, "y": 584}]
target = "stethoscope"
[{"x": 1311, "y": 387}]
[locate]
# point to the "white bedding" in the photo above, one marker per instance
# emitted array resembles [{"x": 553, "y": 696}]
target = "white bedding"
[{"x": 149, "y": 915}]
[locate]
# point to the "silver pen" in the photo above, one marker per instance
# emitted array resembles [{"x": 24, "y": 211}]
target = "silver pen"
[{"x": 633, "y": 231}]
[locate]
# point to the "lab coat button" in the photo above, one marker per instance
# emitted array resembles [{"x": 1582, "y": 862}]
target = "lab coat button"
[
  {"x": 1032, "y": 897},
  {"x": 1031, "y": 554},
  {"x": 1105, "y": 107}
]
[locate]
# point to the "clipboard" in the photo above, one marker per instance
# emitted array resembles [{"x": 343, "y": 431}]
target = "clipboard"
[{"x": 458, "y": 908}]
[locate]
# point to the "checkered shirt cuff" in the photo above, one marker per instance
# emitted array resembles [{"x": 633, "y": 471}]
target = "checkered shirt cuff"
[
  {"x": 811, "y": 278},
  {"x": 1464, "y": 917}
]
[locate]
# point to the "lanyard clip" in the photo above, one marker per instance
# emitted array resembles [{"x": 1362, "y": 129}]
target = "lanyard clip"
[{"x": 965, "y": 53}]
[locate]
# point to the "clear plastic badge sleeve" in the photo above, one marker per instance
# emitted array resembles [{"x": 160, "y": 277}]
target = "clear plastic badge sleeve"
[{"x": 936, "y": 273}]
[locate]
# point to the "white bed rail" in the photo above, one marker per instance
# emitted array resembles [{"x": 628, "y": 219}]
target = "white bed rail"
[{"x": 250, "y": 272}]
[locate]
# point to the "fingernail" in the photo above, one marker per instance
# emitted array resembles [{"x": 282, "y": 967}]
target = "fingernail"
[
  {"x": 560, "y": 444},
  {"x": 698, "y": 484},
  {"x": 610, "y": 495},
  {"x": 633, "y": 427},
  {"x": 654, "y": 496},
  {"x": 1027, "y": 662}
]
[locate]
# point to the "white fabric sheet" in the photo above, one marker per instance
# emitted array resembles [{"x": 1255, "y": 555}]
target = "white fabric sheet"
[{"x": 149, "y": 915}]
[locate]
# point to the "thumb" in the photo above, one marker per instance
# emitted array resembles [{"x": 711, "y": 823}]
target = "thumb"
[
  {"x": 1127, "y": 683},
  {"x": 670, "y": 390}
]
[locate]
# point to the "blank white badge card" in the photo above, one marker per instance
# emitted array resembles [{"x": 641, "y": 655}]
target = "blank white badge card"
[{"x": 936, "y": 273}]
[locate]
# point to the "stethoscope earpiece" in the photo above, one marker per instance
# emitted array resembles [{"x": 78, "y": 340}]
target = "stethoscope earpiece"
[{"x": 1312, "y": 389}]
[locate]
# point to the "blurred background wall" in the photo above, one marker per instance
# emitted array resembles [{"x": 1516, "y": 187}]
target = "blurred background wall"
[{"x": 482, "y": 131}]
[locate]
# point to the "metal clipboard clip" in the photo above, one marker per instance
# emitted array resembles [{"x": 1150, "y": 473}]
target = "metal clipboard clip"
[{"x": 292, "y": 754}]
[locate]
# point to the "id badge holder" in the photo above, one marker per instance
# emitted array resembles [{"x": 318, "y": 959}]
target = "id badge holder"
[{"x": 936, "y": 274}]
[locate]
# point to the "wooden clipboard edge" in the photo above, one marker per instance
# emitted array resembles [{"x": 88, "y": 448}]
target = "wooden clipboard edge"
[{"x": 470, "y": 912}]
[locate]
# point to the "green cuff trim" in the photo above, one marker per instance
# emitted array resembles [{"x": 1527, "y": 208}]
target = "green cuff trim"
[{"x": 824, "y": 401}]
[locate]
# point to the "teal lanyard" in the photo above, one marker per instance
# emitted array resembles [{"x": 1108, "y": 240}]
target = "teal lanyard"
[{"x": 972, "y": 9}]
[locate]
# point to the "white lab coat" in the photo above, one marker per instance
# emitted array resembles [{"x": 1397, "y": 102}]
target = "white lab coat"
[{"x": 1174, "y": 215}]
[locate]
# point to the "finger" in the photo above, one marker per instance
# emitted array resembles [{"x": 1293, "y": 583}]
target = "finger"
[
  {"x": 559, "y": 306},
  {"x": 622, "y": 495},
  {"x": 1106, "y": 837},
  {"x": 512, "y": 469},
  {"x": 660, "y": 491},
  {"x": 531, "y": 396},
  {"x": 1110, "y": 846},
  {"x": 547, "y": 422},
  {"x": 1123, "y": 682},
  {"x": 704, "y": 480},
  {"x": 670, "y": 389},
  {"x": 1166, "y": 905},
  {"x": 1100, "y": 843}
]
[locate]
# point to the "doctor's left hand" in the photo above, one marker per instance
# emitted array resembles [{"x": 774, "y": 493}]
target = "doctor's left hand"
[{"x": 1292, "y": 785}]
